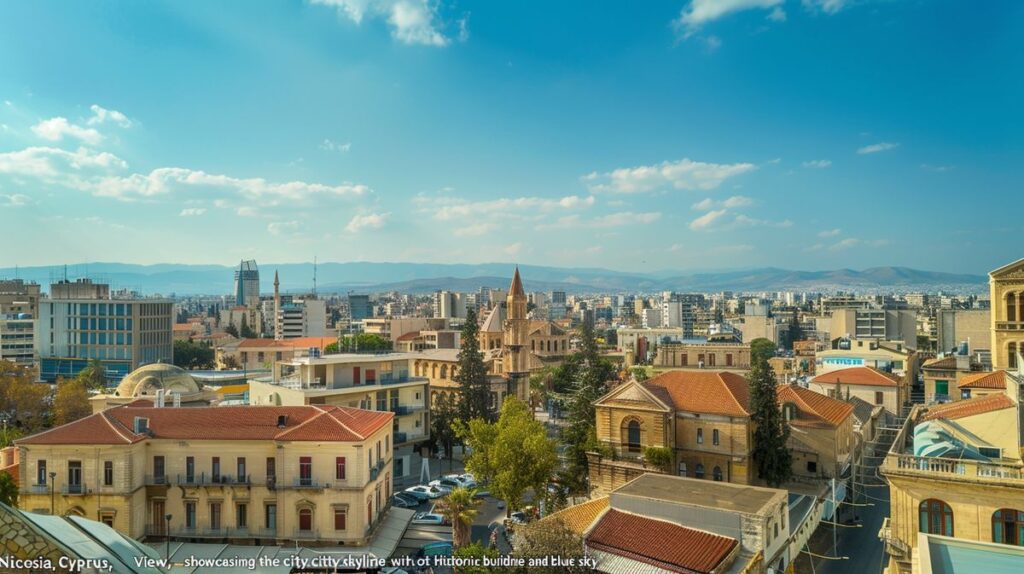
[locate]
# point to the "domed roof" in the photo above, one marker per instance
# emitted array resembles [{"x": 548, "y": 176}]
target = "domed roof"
[{"x": 147, "y": 380}]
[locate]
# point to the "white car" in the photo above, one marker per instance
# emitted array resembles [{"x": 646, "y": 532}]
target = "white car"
[
  {"x": 465, "y": 480},
  {"x": 446, "y": 484},
  {"x": 425, "y": 492},
  {"x": 429, "y": 518}
]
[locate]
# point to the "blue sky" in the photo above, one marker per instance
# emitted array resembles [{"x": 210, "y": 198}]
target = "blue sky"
[{"x": 700, "y": 134}]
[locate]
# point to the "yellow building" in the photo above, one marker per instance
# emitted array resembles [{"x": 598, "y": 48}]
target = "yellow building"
[
  {"x": 711, "y": 355},
  {"x": 942, "y": 376},
  {"x": 701, "y": 416},
  {"x": 1006, "y": 292},
  {"x": 955, "y": 471},
  {"x": 821, "y": 432},
  {"x": 284, "y": 474},
  {"x": 866, "y": 383}
]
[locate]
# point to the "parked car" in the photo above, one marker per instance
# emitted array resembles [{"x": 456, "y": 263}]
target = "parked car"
[
  {"x": 404, "y": 502},
  {"x": 422, "y": 492},
  {"x": 465, "y": 480},
  {"x": 429, "y": 518},
  {"x": 407, "y": 497},
  {"x": 446, "y": 484},
  {"x": 442, "y": 548},
  {"x": 518, "y": 517}
]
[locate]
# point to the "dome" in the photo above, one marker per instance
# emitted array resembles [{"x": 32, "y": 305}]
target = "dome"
[{"x": 146, "y": 381}]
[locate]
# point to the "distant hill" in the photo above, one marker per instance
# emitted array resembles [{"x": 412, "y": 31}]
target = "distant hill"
[{"x": 427, "y": 277}]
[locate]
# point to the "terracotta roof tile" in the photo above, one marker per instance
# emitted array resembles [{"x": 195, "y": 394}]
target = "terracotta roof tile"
[
  {"x": 969, "y": 407},
  {"x": 948, "y": 363},
  {"x": 712, "y": 392},
  {"x": 408, "y": 336},
  {"x": 859, "y": 376},
  {"x": 659, "y": 543},
  {"x": 297, "y": 343},
  {"x": 988, "y": 380},
  {"x": 302, "y": 423},
  {"x": 814, "y": 408},
  {"x": 579, "y": 517}
]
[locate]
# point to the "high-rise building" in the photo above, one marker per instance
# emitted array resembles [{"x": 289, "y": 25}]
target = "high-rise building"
[
  {"x": 359, "y": 307},
  {"x": 19, "y": 308},
  {"x": 82, "y": 322},
  {"x": 247, "y": 284},
  {"x": 449, "y": 305}
]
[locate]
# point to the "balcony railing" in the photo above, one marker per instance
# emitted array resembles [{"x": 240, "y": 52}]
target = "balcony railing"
[
  {"x": 374, "y": 472},
  {"x": 74, "y": 489},
  {"x": 894, "y": 546},
  {"x": 1009, "y": 325},
  {"x": 39, "y": 488},
  {"x": 204, "y": 479},
  {"x": 157, "y": 480},
  {"x": 968, "y": 470},
  {"x": 303, "y": 482}
]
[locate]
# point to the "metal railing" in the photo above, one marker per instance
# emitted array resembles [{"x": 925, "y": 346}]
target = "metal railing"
[
  {"x": 894, "y": 546},
  {"x": 1010, "y": 325},
  {"x": 39, "y": 488},
  {"x": 157, "y": 480},
  {"x": 303, "y": 482},
  {"x": 204, "y": 479},
  {"x": 74, "y": 489}
]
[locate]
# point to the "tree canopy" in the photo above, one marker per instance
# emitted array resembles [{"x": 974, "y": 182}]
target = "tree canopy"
[
  {"x": 761, "y": 349},
  {"x": 192, "y": 355},
  {"x": 8, "y": 489},
  {"x": 24, "y": 404},
  {"x": 359, "y": 342},
  {"x": 474, "y": 390},
  {"x": 549, "y": 537},
  {"x": 770, "y": 453},
  {"x": 70, "y": 402}
]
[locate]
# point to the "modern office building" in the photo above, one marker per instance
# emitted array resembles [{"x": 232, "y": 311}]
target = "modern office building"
[
  {"x": 19, "y": 308},
  {"x": 247, "y": 284},
  {"x": 359, "y": 307},
  {"x": 82, "y": 321},
  {"x": 882, "y": 324}
]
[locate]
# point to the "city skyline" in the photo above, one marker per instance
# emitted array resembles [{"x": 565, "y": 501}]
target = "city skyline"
[{"x": 697, "y": 135}]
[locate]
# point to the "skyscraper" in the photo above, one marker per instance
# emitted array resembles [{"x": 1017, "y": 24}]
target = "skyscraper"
[{"x": 247, "y": 284}]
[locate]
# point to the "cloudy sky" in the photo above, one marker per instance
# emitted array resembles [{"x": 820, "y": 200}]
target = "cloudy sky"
[{"x": 698, "y": 134}]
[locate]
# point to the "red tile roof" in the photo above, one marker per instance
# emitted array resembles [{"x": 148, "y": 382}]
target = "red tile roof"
[
  {"x": 711, "y": 392},
  {"x": 814, "y": 409},
  {"x": 300, "y": 342},
  {"x": 408, "y": 336},
  {"x": 859, "y": 376},
  {"x": 302, "y": 423},
  {"x": 988, "y": 380},
  {"x": 659, "y": 543},
  {"x": 969, "y": 407}
]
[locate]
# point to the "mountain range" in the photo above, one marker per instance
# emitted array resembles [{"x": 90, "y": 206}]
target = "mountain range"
[{"x": 371, "y": 277}]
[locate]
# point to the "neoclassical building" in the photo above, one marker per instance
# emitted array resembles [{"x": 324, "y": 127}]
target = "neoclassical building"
[{"x": 1006, "y": 289}]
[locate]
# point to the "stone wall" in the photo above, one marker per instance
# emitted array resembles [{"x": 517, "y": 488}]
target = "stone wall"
[{"x": 22, "y": 541}]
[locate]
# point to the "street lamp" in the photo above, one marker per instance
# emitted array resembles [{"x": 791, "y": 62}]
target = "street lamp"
[
  {"x": 167, "y": 533},
  {"x": 53, "y": 476}
]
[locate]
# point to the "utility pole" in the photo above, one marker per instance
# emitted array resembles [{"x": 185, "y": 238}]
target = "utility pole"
[{"x": 53, "y": 476}]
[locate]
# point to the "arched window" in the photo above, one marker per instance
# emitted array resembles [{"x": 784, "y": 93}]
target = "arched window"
[
  {"x": 699, "y": 471},
  {"x": 433, "y": 371},
  {"x": 444, "y": 371},
  {"x": 1011, "y": 306},
  {"x": 716, "y": 473},
  {"x": 633, "y": 436},
  {"x": 936, "y": 517},
  {"x": 714, "y": 436},
  {"x": 533, "y": 344},
  {"x": 1008, "y": 526},
  {"x": 305, "y": 520},
  {"x": 1011, "y": 355}
]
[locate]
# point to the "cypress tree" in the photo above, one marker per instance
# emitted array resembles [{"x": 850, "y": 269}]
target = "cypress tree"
[
  {"x": 771, "y": 456},
  {"x": 472, "y": 374}
]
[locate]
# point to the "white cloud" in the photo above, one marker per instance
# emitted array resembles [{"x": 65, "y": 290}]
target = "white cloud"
[
  {"x": 681, "y": 174},
  {"x": 737, "y": 201},
  {"x": 192, "y": 211},
  {"x": 366, "y": 221},
  {"x": 513, "y": 248},
  {"x": 745, "y": 221},
  {"x": 55, "y": 165},
  {"x": 829, "y": 232},
  {"x": 329, "y": 145},
  {"x": 411, "y": 21},
  {"x": 731, "y": 202},
  {"x": 818, "y": 163},
  {"x": 282, "y": 227},
  {"x": 707, "y": 220},
  {"x": 475, "y": 229},
  {"x": 878, "y": 147},
  {"x": 619, "y": 219},
  {"x": 826, "y": 6},
  {"x": 777, "y": 14},
  {"x": 54, "y": 129},
  {"x": 449, "y": 209},
  {"x": 101, "y": 115},
  {"x": 700, "y": 12},
  {"x": 850, "y": 242},
  {"x": 15, "y": 200},
  {"x": 247, "y": 211},
  {"x": 936, "y": 168}
]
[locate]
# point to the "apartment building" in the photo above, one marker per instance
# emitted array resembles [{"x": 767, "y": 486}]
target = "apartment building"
[
  {"x": 289, "y": 474},
  {"x": 700, "y": 355}
]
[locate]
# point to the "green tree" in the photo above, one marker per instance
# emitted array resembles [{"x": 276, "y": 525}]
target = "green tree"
[
  {"x": 192, "y": 355},
  {"x": 771, "y": 456},
  {"x": 25, "y": 402},
  {"x": 513, "y": 455},
  {"x": 8, "y": 489},
  {"x": 93, "y": 376},
  {"x": 70, "y": 402},
  {"x": 795, "y": 332},
  {"x": 230, "y": 363},
  {"x": 761, "y": 349},
  {"x": 659, "y": 457},
  {"x": 362, "y": 343},
  {"x": 460, "y": 508},
  {"x": 479, "y": 552},
  {"x": 332, "y": 349},
  {"x": 548, "y": 537},
  {"x": 245, "y": 331},
  {"x": 579, "y": 436},
  {"x": 9, "y": 434},
  {"x": 640, "y": 374},
  {"x": 444, "y": 413},
  {"x": 232, "y": 330},
  {"x": 474, "y": 390},
  {"x": 540, "y": 383}
]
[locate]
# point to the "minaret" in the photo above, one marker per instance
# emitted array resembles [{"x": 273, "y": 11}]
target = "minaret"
[
  {"x": 278, "y": 335},
  {"x": 516, "y": 360}
]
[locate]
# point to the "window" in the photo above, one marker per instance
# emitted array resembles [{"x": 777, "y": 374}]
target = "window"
[
  {"x": 214, "y": 516},
  {"x": 41, "y": 472},
  {"x": 941, "y": 389},
  {"x": 240, "y": 467},
  {"x": 75, "y": 476},
  {"x": 1011, "y": 307},
  {"x": 270, "y": 517},
  {"x": 108, "y": 519},
  {"x": 215, "y": 466},
  {"x": 305, "y": 520},
  {"x": 339, "y": 468},
  {"x": 714, "y": 436},
  {"x": 699, "y": 471},
  {"x": 369, "y": 508},
  {"x": 356, "y": 379},
  {"x": 371, "y": 376},
  {"x": 340, "y": 516},
  {"x": 190, "y": 515},
  {"x": 305, "y": 471},
  {"x": 242, "y": 515},
  {"x": 879, "y": 397},
  {"x": 1008, "y": 527},
  {"x": 716, "y": 474},
  {"x": 108, "y": 473},
  {"x": 190, "y": 469},
  {"x": 633, "y": 436},
  {"x": 936, "y": 517},
  {"x": 700, "y": 436},
  {"x": 1011, "y": 355},
  {"x": 271, "y": 469},
  {"x": 812, "y": 467},
  {"x": 158, "y": 470},
  {"x": 728, "y": 359}
]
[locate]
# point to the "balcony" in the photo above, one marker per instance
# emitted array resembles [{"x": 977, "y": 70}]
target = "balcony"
[
  {"x": 158, "y": 480},
  {"x": 401, "y": 437},
  {"x": 74, "y": 490},
  {"x": 39, "y": 489},
  {"x": 374, "y": 472},
  {"x": 893, "y": 545},
  {"x": 405, "y": 438},
  {"x": 305, "y": 482},
  {"x": 1009, "y": 325},
  {"x": 204, "y": 479},
  {"x": 953, "y": 469}
]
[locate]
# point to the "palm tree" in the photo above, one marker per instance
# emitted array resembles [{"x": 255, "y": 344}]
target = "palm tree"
[
  {"x": 460, "y": 509},
  {"x": 540, "y": 384}
]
